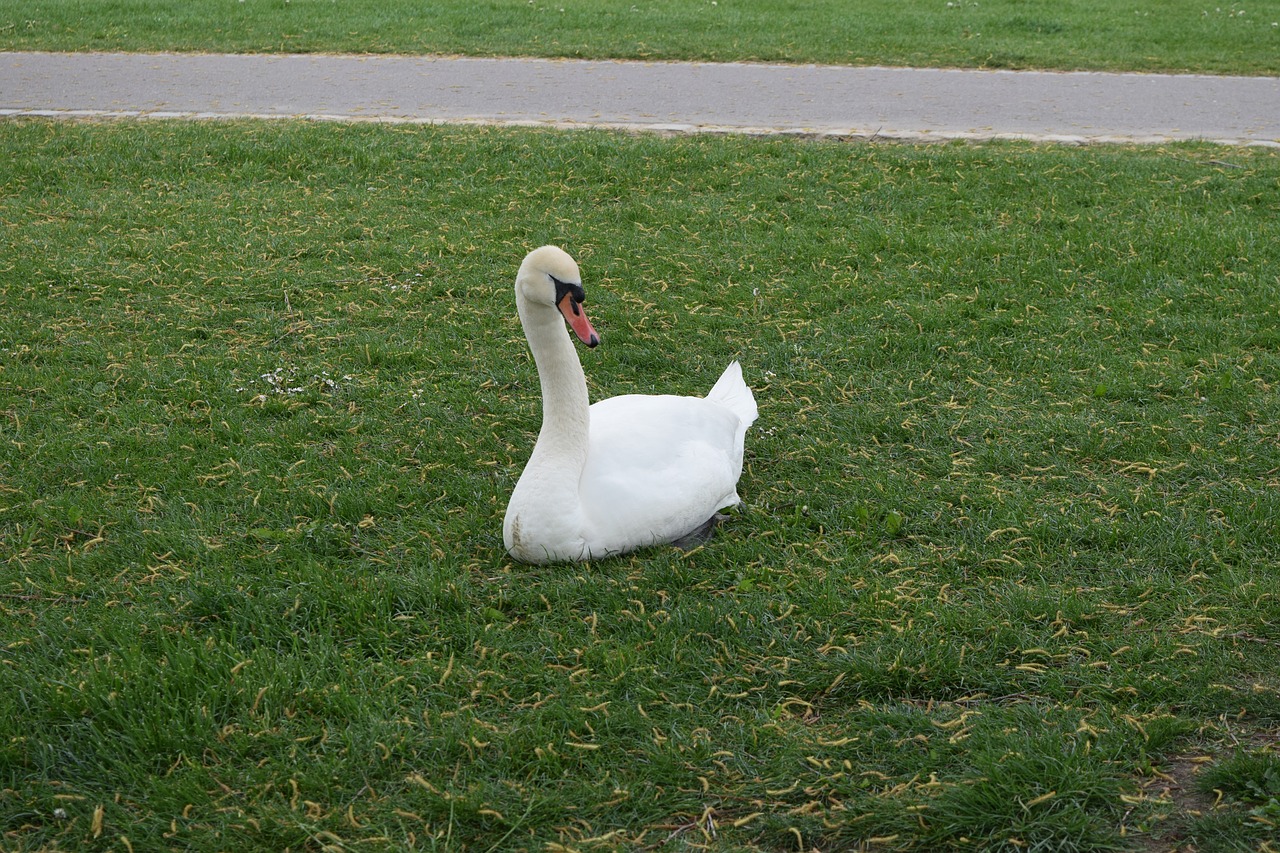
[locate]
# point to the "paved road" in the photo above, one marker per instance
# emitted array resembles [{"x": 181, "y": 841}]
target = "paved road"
[{"x": 683, "y": 97}]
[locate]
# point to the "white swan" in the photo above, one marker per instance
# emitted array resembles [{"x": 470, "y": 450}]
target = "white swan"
[{"x": 629, "y": 471}]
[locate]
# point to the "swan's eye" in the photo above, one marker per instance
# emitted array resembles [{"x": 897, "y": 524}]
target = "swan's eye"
[{"x": 564, "y": 288}]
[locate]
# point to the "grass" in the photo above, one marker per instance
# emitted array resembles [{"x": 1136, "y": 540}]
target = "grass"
[
  {"x": 1175, "y": 35},
  {"x": 1008, "y": 554}
]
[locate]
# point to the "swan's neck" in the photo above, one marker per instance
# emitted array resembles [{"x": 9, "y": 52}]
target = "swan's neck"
[{"x": 562, "y": 442}]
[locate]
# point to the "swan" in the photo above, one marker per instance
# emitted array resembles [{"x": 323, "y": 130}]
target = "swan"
[{"x": 629, "y": 471}]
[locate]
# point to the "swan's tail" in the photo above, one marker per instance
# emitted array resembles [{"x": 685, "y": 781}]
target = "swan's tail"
[{"x": 731, "y": 391}]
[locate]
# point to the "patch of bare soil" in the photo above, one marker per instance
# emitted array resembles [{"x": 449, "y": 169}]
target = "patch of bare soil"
[{"x": 1175, "y": 783}]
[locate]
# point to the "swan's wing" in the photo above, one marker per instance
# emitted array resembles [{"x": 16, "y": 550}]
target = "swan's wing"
[
  {"x": 732, "y": 392},
  {"x": 658, "y": 466}
]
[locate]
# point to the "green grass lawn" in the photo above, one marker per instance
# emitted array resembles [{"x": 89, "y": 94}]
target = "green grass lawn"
[
  {"x": 1170, "y": 35},
  {"x": 1005, "y": 579}
]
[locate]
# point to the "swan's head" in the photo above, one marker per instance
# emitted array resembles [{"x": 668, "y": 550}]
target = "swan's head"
[{"x": 550, "y": 277}]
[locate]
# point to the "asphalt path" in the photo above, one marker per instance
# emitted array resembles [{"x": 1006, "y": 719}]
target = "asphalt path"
[{"x": 889, "y": 103}]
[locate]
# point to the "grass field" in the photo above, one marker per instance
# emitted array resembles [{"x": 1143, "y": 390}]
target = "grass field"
[
  {"x": 1171, "y": 35},
  {"x": 1006, "y": 577}
]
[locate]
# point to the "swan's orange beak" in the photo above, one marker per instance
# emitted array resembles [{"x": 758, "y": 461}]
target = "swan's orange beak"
[{"x": 577, "y": 319}]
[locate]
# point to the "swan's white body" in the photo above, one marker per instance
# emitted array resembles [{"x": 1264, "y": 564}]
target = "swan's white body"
[{"x": 624, "y": 473}]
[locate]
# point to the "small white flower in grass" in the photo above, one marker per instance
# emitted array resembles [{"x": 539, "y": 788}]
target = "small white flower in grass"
[
  {"x": 61, "y": 814},
  {"x": 282, "y": 379}
]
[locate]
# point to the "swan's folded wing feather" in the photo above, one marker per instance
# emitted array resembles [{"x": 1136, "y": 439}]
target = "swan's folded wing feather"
[{"x": 657, "y": 467}]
